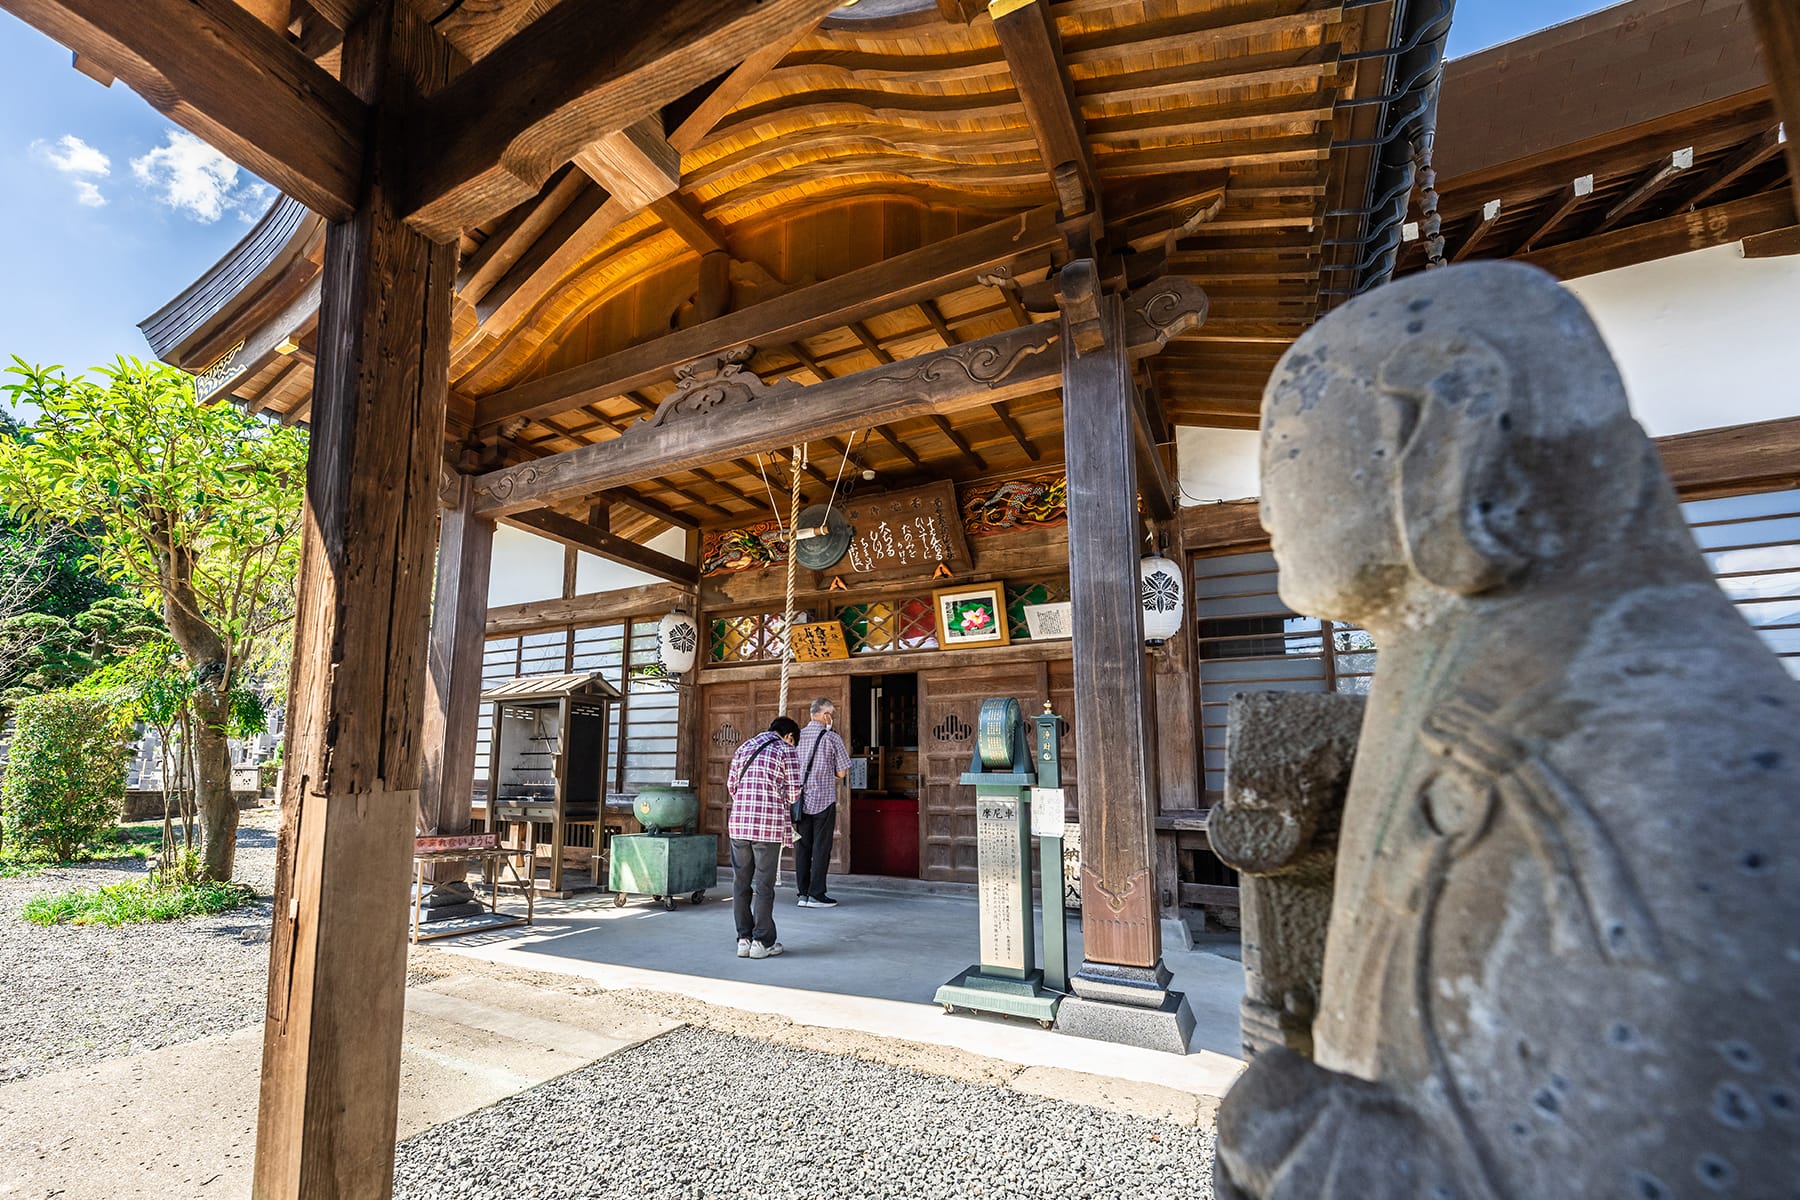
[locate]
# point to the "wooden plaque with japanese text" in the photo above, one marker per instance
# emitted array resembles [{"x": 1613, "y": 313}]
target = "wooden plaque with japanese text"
[
  {"x": 907, "y": 532},
  {"x": 819, "y": 641}
]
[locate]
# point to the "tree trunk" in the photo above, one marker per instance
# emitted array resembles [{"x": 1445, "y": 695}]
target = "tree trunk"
[{"x": 212, "y": 786}]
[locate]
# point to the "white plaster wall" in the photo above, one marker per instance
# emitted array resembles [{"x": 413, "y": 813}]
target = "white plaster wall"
[
  {"x": 1704, "y": 340},
  {"x": 526, "y": 567},
  {"x": 596, "y": 574}
]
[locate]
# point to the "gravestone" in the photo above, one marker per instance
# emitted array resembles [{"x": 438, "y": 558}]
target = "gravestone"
[{"x": 1563, "y": 955}]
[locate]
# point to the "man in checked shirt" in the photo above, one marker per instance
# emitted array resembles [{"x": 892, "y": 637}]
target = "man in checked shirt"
[
  {"x": 763, "y": 783},
  {"x": 824, "y": 761}
]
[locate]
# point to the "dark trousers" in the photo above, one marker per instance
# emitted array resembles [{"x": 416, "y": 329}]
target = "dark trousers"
[
  {"x": 812, "y": 851},
  {"x": 753, "y": 868}
]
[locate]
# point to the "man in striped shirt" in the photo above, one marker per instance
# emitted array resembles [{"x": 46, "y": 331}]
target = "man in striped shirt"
[
  {"x": 763, "y": 783},
  {"x": 825, "y": 760}
]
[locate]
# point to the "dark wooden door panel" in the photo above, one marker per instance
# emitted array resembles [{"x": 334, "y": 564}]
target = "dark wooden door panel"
[{"x": 949, "y": 701}]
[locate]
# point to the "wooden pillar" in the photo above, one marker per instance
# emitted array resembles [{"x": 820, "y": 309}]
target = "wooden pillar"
[
  {"x": 337, "y": 973},
  {"x": 1118, "y": 886},
  {"x": 1778, "y": 26},
  {"x": 453, "y": 688},
  {"x": 1121, "y": 988}
]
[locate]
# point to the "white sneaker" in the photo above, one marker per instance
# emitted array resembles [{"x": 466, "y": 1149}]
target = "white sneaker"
[
  {"x": 758, "y": 950},
  {"x": 743, "y": 947},
  {"x": 806, "y": 902}
]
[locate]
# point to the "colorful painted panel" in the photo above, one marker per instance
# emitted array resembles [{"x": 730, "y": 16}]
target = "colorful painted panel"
[
  {"x": 726, "y": 550},
  {"x": 1016, "y": 504}
]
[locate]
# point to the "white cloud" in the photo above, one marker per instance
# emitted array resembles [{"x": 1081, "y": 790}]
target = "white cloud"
[
  {"x": 72, "y": 156},
  {"x": 82, "y": 162},
  {"x": 191, "y": 177}
]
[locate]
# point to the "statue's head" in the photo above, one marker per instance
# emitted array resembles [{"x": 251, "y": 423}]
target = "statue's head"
[{"x": 1447, "y": 434}]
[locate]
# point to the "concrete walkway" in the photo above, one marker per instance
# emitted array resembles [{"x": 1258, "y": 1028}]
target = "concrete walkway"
[
  {"x": 181, "y": 1122},
  {"x": 871, "y": 965}
]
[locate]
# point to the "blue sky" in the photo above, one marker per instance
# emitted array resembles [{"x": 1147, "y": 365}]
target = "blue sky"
[{"x": 110, "y": 210}]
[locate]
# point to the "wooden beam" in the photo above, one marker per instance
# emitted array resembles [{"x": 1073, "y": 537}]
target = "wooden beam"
[
  {"x": 593, "y": 608},
  {"x": 453, "y": 694},
  {"x": 862, "y": 334},
  {"x": 1669, "y": 236},
  {"x": 713, "y": 417},
  {"x": 1764, "y": 454},
  {"x": 1759, "y": 151},
  {"x": 1580, "y": 190},
  {"x": 581, "y": 536},
  {"x": 217, "y": 71},
  {"x": 585, "y": 69},
  {"x": 337, "y": 966},
  {"x": 1778, "y": 27},
  {"x": 1007, "y": 421},
  {"x": 514, "y": 236},
  {"x": 1490, "y": 213},
  {"x": 1153, "y": 479},
  {"x": 805, "y": 312},
  {"x": 643, "y": 504},
  {"x": 636, "y": 164},
  {"x": 734, "y": 87},
  {"x": 1033, "y": 50},
  {"x": 1112, "y": 725},
  {"x": 1651, "y": 184},
  {"x": 1777, "y": 243}
]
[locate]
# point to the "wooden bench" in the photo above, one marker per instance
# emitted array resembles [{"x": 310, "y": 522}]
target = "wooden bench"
[{"x": 484, "y": 848}]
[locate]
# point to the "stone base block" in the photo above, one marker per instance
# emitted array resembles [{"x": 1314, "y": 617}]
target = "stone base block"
[
  {"x": 978, "y": 991},
  {"x": 1142, "y": 986},
  {"x": 1167, "y": 1027},
  {"x": 1176, "y": 935}
]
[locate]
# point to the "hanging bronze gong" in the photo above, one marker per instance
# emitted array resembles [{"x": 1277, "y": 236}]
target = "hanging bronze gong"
[{"x": 818, "y": 551}]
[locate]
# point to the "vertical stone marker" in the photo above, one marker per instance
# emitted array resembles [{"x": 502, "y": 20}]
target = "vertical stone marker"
[{"x": 1562, "y": 958}]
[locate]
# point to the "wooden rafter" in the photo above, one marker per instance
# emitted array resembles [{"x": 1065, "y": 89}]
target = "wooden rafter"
[
  {"x": 1652, "y": 183},
  {"x": 1490, "y": 213},
  {"x": 1759, "y": 151},
  {"x": 1778, "y": 26},
  {"x": 1578, "y": 191},
  {"x": 1034, "y": 53},
  {"x": 1019, "y": 362},
  {"x": 215, "y": 69},
  {"x": 1672, "y": 235},
  {"x": 585, "y": 69},
  {"x": 869, "y": 291}
]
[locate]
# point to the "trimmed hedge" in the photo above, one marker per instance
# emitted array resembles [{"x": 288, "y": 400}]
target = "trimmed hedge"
[{"x": 65, "y": 775}]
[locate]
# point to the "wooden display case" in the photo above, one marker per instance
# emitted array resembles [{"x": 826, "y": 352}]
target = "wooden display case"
[{"x": 548, "y": 761}]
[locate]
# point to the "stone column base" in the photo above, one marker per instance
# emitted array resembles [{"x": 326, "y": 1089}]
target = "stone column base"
[{"x": 1129, "y": 1005}]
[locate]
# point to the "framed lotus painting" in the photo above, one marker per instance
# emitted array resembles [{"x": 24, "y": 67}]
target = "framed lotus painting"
[{"x": 971, "y": 616}]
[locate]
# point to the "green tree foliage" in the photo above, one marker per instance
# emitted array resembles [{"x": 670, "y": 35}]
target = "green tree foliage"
[
  {"x": 195, "y": 506},
  {"x": 65, "y": 774}
]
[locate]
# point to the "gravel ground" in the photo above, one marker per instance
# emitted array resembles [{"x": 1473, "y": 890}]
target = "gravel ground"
[
  {"x": 71, "y": 996},
  {"x": 701, "y": 1115}
]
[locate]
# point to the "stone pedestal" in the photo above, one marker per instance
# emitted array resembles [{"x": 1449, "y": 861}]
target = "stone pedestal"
[{"x": 1129, "y": 1005}]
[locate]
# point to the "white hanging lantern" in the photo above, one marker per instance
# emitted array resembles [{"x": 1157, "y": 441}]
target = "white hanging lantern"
[
  {"x": 1161, "y": 593},
  {"x": 677, "y": 641}
]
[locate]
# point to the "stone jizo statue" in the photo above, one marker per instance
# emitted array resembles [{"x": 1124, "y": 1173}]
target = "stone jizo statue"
[{"x": 1563, "y": 955}]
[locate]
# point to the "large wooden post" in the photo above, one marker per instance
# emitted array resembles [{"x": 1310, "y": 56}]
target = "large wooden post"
[
  {"x": 337, "y": 972},
  {"x": 1121, "y": 989},
  {"x": 453, "y": 688}
]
